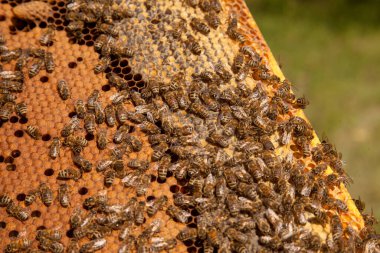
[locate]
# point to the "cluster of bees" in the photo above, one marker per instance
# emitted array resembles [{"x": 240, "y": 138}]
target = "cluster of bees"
[
  {"x": 219, "y": 140},
  {"x": 103, "y": 218}
]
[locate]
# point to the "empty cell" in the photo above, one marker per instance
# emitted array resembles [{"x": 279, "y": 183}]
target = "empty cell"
[
  {"x": 16, "y": 153},
  {"x": 49, "y": 172}
]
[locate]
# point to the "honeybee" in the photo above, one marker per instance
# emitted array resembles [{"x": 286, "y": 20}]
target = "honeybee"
[
  {"x": 192, "y": 3},
  {"x": 46, "y": 194},
  {"x": 178, "y": 214},
  {"x": 92, "y": 100},
  {"x": 199, "y": 26},
  {"x": 89, "y": 123},
  {"x": 31, "y": 197},
  {"x": 218, "y": 139},
  {"x": 102, "y": 64},
  {"x": 235, "y": 35},
  {"x": 18, "y": 245},
  {"x": 336, "y": 227},
  {"x": 5, "y": 200},
  {"x": 230, "y": 178},
  {"x": 17, "y": 211},
  {"x": 301, "y": 102},
  {"x": 94, "y": 245},
  {"x": 121, "y": 133},
  {"x": 156, "y": 205},
  {"x": 34, "y": 132},
  {"x": 110, "y": 116},
  {"x": 236, "y": 235},
  {"x": 149, "y": 128},
  {"x": 187, "y": 234},
  {"x": 51, "y": 234},
  {"x": 6, "y": 111},
  {"x": 80, "y": 109},
  {"x": 212, "y": 19},
  {"x": 213, "y": 237},
  {"x": 73, "y": 246},
  {"x": 134, "y": 142},
  {"x": 35, "y": 68},
  {"x": 82, "y": 163},
  {"x": 55, "y": 147},
  {"x": 193, "y": 45},
  {"x": 101, "y": 139},
  {"x": 63, "y": 195},
  {"x": 143, "y": 185},
  {"x": 303, "y": 143},
  {"x": 139, "y": 213},
  {"x": 109, "y": 178},
  {"x": 109, "y": 29},
  {"x": 157, "y": 138},
  {"x": 163, "y": 167},
  {"x": 49, "y": 62},
  {"x": 68, "y": 174},
  {"x": 210, "y": 102},
  {"x": 159, "y": 151},
  {"x": 199, "y": 110},
  {"x": 137, "y": 164},
  {"x": 10, "y": 55},
  {"x": 183, "y": 200},
  {"x": 47, "y": 37},
  {"x": 171, "y": 99},
  {"x": 63, "y": 90},
  {"x": 137, "y": 99},
  {"x": 222, "y": 72}
]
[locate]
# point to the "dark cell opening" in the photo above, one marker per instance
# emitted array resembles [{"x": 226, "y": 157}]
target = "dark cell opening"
[
  {"x": 153, "y": 178},
  {"x": 124, "y": 63},
  {"x": 89, "y": 43},
  {"x": 70, "y": 233},
  {"x": 198, "y": 243},
  {"x": 19, "y": 133},
  {"x": 1, "y": 158},
  {"x": 150, "y": 198},
  {"x": 46, "y": 137},
  {"x": 137, "y": 77},
  {"x": 44, "y": 79},
  {"x": 13, "y": 4},
  {"x": 23, "y": 121},
  {"x": 128, "y": 77},
  {"x": 83, "y": 191},
  {"x": 89, "y": 137},
  {"x": 85, "y": 31},
  {"x": 115, "y": 63},
  {"x": 50, "y": 19},
  {"x": 174, "y": 188},
  {"x": 155, "y": 21},
  {"x": 140, "y": 84},
  {"x": 117, "y": 70},
  {"x": 60, "y": 28},
  {"x": 72, "y": 114},
  {"x": 19, "y": 24},
  {"x": 188, "y": 243},
  {"x": 55, "y": 8},
  {"x": 126, "y": 71},
  {"x": 42, "y": 25},
  {"x": 12, "y": 29},
  {"x": 192, "y": 250},
  {"x": 61, "y": 4},
  {"x": 87, "y": 37},
  {"x": 15, "y": 153},
  {"x": 13, "y": 119},
  {"x": 62, "y": 11},
  {"x": 169, "y": 174},
  {"x": 58, "y": 22},
  {"x": 49, "y": 172},
  {"x": 13, "y": 233},
  {"x": 81, "y": 42},
  {"x": 132, "y": 129},
  {"x": 66, "y": 22},
  {"x": 182, "y": 182},
  {"x": 108, "y": 70},
  {"x": 79, "y": 59},
  {"x": 36, "y": 213},
  {"x": 161, "y": 181},
  {"x": 2, "y": 18},
  {"x": 3, "y": 224},
  {"x": 9, "y": 159},
  {"x": 191, "y": 225},
  {"x": 56, "y": 15},
  {"x": 189, "y": 220},
  {"x": 106, "y": 87},
  {"x": 72, "y": 65},
  {"x": 186, "y": 189},
  {"x": 41, "y": 228},
  {"x": 131, "y": 83},
  {"x": 194, "y": 212},
  {"x": 21, "y": 197},
  {"x": 11, "y": 167},
  {"x": 174, "y": 157},
  {"x": 91, "y": 25}
]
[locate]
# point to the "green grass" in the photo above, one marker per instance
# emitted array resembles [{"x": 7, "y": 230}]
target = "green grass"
[{"x": 332, "y": 55}]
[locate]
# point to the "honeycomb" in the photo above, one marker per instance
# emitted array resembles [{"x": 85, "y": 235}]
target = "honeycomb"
[{"x": 157, "y": 56}]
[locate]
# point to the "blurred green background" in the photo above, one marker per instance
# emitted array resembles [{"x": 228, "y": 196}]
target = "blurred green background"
[{"x": 330, "y": 50}]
